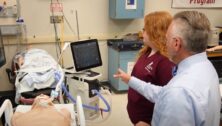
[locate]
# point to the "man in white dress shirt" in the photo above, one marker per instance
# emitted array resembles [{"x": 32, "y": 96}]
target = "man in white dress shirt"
[{"x": 192, "y": 97}]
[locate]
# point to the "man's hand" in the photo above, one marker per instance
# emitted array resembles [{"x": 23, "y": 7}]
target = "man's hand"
[
  {"x": 124, "y": 76},
  {"x": 141, "y": 123}
]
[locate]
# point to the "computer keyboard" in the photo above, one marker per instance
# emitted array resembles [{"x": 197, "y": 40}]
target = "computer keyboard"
[{"x": 92, "y": 73}]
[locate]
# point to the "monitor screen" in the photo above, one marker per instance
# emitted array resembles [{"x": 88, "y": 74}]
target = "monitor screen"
[
  {"x": 2, "y": 52},
  {"x": 86, "y": 54}
]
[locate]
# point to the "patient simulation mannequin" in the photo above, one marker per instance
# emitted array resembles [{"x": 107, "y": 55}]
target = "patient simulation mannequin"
[{"x": 42, "y": 113}]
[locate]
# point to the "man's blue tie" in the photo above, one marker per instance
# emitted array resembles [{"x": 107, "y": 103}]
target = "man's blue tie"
[{"x": 174, "y": 70}]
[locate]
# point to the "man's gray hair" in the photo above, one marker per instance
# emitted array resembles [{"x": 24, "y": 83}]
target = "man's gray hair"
[{"x": 194, "y": 28}]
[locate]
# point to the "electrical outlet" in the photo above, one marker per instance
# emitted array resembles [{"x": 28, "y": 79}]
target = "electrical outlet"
[{"x": 56, "y": 19}]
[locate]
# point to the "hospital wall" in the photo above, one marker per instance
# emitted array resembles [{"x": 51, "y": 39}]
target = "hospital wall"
[{"x": 93, "y": 20}]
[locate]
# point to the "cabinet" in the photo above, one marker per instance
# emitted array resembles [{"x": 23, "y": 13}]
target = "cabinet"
[
  {"x": 10, "y": 16},
  {"x": 216, "y": 59},
  {"x": 126, "y": 9},
  {"x": 9, "y": 8},
  {"x": 121, "y": 54},
  {"x": 119, "y": 59}
]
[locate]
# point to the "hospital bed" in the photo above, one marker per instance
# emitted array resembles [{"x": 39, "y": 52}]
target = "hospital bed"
[
  {"x": 34, "y": 72},
  {"x": 78, "y": 119},
  {"x": 23, "y": 90}
]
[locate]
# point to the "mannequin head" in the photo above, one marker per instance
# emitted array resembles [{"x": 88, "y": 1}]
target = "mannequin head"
[{"x": 42, "y": 101}]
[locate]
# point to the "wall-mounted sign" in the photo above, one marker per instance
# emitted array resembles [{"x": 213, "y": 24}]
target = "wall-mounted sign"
[
  {"x": 56, "y": 7},
  {"x": 196, "y": 3},
  {"x": 131, "y": 4}
]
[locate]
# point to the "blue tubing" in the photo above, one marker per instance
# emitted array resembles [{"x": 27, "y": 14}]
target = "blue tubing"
[
  {"x": 87, "y": 106},
  {"x": 104, "y": 100}
]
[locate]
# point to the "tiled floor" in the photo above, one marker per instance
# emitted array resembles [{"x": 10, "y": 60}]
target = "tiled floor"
[{"x": 118, "y": 115}]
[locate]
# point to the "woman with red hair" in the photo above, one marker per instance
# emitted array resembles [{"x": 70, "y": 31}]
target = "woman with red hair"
[{"x": 152, "y": 65}]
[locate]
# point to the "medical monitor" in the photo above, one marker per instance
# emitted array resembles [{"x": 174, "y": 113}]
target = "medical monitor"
[
  {"x": 86, "y": 54},
  {"x": 2, "y": 52}
]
